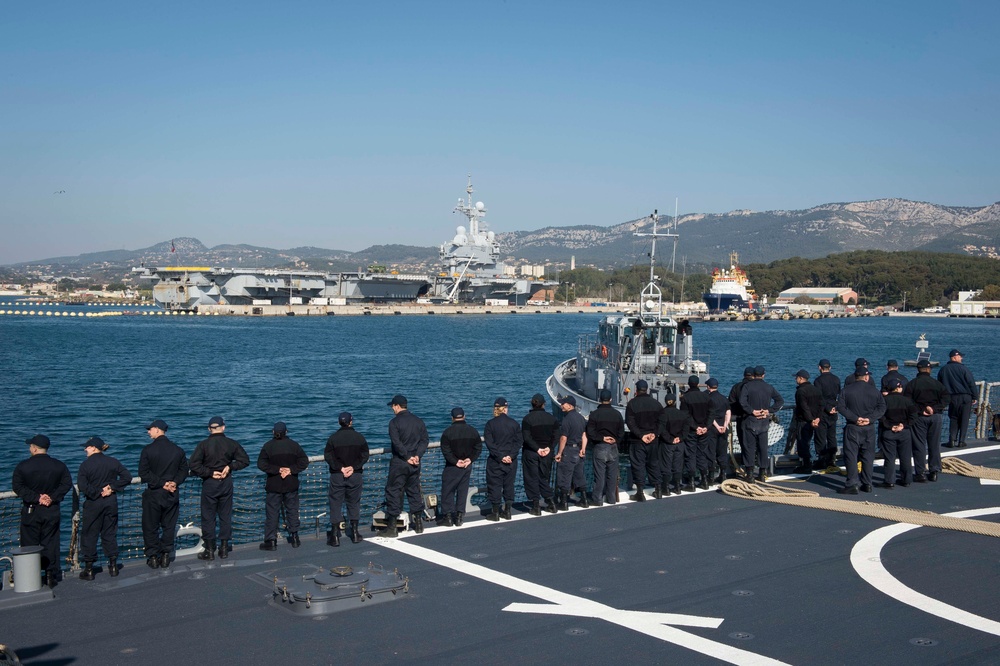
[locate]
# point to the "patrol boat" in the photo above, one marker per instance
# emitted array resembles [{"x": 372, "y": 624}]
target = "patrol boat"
[{"x": 647, "y": 344}]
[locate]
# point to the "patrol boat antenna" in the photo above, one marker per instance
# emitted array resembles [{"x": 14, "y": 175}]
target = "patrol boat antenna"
[{"x": 649, "y": 309}]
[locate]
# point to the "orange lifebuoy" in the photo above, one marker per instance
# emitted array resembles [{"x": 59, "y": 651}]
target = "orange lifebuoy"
[{"x": 604, "y": 351}]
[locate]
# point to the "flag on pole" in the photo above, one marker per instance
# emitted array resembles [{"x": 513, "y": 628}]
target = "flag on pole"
[{"x": 172, "y": 248}]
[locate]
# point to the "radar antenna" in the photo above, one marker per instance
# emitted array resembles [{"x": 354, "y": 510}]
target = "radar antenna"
[{"x": 647, "y": 305}]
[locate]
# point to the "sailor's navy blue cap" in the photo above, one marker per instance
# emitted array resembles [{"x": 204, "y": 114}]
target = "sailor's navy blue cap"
[
  {"x": 894, "y": 384},
  {"x": 642, "y": 385},
  {"x": 539, "y": 398},
  {"x": 824, "y": 363},
  {"x": 669, "y": 396},
  {"x": 860, "y": 371},
  {"x": 95, "y": 442},
  {"x": 158, "y": 423},
  {"x": 860, "y": 362},
  {"x": 954, "y": 352},
  {"x": 712, "y": 382},
  {"x": 345, "y": 419},
  {"x": 605, "y": 395},
  {"x": 748, "y": 371},
  {"x": 803, "y": 374},
  {"x": 215, "y": 422},
  {"x": 694, "y": 380},
  {"x": 397, "y": 399},
  {"x": 500, "y": 402},
  {"x": 457, "y": 413},
  {"x": 279, "y": 428},
  {"x": 568, "y": 400},
  {"x": 41, "y": 441},
  {"x": 758, "y": 370},
  {"x": 892, "y": 363},
  {"x": 923, "y": 363}
]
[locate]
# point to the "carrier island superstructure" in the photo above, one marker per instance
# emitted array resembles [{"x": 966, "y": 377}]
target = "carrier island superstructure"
[{"x": 471, "y": 272}]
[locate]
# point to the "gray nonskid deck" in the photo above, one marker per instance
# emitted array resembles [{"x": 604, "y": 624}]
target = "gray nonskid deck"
[{"x": 748, "y": 582}]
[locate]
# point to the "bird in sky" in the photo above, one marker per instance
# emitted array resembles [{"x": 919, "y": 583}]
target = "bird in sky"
[{"x": 59, "y": 192}]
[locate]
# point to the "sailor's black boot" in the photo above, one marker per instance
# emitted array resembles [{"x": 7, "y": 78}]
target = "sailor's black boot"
[
  {"x": 505, "y": 512},
  {"x": 536, "y": 508},
  {"x": 164, "y": 561},
  {"x": 640, "y": 494},
  {"x": 677, "y": 485},
  {"x": 269, "y": 544},
  {"x": 563, "y": 502},
  {"x": 688, "y": 487},
  {"x": 334, "y": 538},
  {"x": 704, "y": 481},
  {"x": 658, "y": 491},
  {"x": 417, "y": 522},
  {"x": 550, "y": 505},
  {"x": 88, "y": 571},
  {"x": 112, "y": 566},
  {"x": 494, "y": 515},
  {"x": 722, "y": 476},
  {"x": 389, "y": 531},
  {"x": 296, "y": 542},
  {"x": 223, "y": 548},
  {"x": 354, "y": 532},
  {"x": 584, "y": 503},
  {"x": 208, "y": 551},
  {"x": 459, "y": 517}
]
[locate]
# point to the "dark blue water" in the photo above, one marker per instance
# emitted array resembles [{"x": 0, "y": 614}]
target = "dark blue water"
[{"x": 71, "y": 378}]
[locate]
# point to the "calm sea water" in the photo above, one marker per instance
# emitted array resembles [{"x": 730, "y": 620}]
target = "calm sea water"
[{"x": 71, "y": 378}]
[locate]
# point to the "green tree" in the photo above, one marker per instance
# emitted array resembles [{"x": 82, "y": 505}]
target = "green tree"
[{"x": 990, "y": 292}]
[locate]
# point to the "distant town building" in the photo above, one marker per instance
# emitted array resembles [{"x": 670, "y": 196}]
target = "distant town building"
[
  {"x": 827, "y": 295},
  {"x": 533, "y": 271}
]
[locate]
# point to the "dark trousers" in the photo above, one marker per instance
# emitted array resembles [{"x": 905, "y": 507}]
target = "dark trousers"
[
  {"x": 403, "y": 477},
  {"x": 455, "y": 488},
  {"x": 569, "y": 473},
  {"x": 958, "y": 418},
  {"x": 805, "y": 435},
  {"x": 704, "y": 451},
  {"x": 348, "y": 490},
  {"x": 690, "y": 448},
  {"x": 755, "y": 440},
  {"x": 536, "y": 472},
  {"x": 100, "y": 519},
  {"x": 272, "y": 509},
  {"x": 671, "y": 463},
  {"x": 217, "y": 502},
  {"x": 927, "y": 444},
  {"x": 40, "y": 527},
  {"x": 826, "y": 439},
  {"x": 720, "y": 442},
  {"x": 897, "y": 445},
  {"x": 645, "y": 462},
  {"x": 859, "y": 444},
  {"x": 606, "y": 472},
  {"x": 741, "y": 437},
  {"x": 500, "y": 480},
  {"x": 159, "y": 521}
]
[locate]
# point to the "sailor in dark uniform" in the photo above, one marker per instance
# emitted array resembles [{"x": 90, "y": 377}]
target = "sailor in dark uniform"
[
  {"x": 408, "y": 435},
  {"x": 674, "y": 426},
  {"x": 896, "y": 427},
  {"x": 858, "y": 364},
  {"x": 806, "y": 418},
  {"x": 282, "y": 459},
  {"x": 571, "y": 455},
  {"x": 605, "y": 432},
  {"x": 215, "y": 458},
  {"x": 642, "y": 414},
  {"x": 539, "y": 432},
  {"x": 41, "y": 482},
  {"x": 100, "y": 479},
  {"x": 892, "y": 372},
  {"x": 699, "y": 452},
  {"x": 759, "y": 400},
  {"x": 739, "y": 416},
  {"x": 826, "y": 433},
  {"x": 931, "y": 397},
  {"x": 718, "y": 428},
  {"x": 461, "y": 446},
  {"x": 961, "y": 386},
  {"x": 346, "y": 453},
  {"x": 502, "y": 435},
  {"x": 862, "y": 405},
  {"x": 163, "y": 467}
]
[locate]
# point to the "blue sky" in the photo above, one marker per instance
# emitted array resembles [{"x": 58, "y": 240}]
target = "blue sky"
[{"x": 343, "y": 125}]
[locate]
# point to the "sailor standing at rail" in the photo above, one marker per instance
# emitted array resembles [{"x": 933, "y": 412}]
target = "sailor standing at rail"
[
  {"x": 539, "y": 430},
  {"x": 408, "y": 435},
  {"x": 699, "y": 449},
  {"x": 41, "y": 482},
  {"x": 214, "y": 460},
  {"x": 503, "y": 440},
  {"x": 571, "y": 455},
  {"x": 100, "y": 479},
  {"x": 862, "y": 405},
  {"x": 346, "y": 454},
  {"x": 718, "y": 429},
  {"x": 759, "y": 399},
  {"x": 461, "y": 446},
  {"x": 738, "y": 414},
  {"x": 605, "y": 431},
  {"x": 896, "y": 426},
  {"x": 806, "y": 418},
  {"x": 163, "y": 467},
  {"x": 826, "y": 433},
  {"x": 282, "y": 459},
  {"x": 674, "y": 426},
  {"x": 892, "y": 372},
  {"x": 931, "y": 397},
  {"x": 642, "y": 415},
  {"x": 961, "y": 386}
]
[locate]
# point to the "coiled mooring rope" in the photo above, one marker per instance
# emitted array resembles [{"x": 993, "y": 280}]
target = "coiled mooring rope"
[{"x": 958, "y": 466}]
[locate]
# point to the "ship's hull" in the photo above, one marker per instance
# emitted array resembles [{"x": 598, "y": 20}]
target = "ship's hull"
[{"x": 719, "y": 302}]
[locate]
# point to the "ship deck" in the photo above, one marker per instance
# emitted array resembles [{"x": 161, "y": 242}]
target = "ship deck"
[{"x": 695, "y": 579}]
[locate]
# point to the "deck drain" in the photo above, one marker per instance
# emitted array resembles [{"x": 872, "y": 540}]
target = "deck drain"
[
  {"x": 923, "y": 642},
  {"x": 457, "y": 583},
  {"x": 590, "y": 589},
  {"x": 320, "y": 617},
  {"x": 370, "y": 552},
  {"x": 722, "y": 508},
  {"x": 845, "y": 531},
  {"x": 741, "y": 635},
  {"x": 742, "y": 531},
  {"x": 660, "y": 571},
  {"x": 614, "y": 529},
  {"x": 947, "y": 490},
  {"x": 614, "y": 558},
  {"x": 478, "y": 556},
  {"x": 577, "y": 631},
  {"x": 499, "y": 528},
  {"x": 734, "y": 557},
  {"x": 742, "y": 593},
  {"x": 129, "y": 650},
  {"x": 198, "y": 575}
]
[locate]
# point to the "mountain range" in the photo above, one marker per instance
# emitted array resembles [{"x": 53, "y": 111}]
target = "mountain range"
[{"x": 704, "y": 240}]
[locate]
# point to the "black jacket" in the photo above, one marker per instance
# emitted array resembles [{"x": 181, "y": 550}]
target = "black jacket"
[
  {"x": 98, "y": 471},
  {"x": 697, "y": 404},
  {"x": 503, "y": 437},
  {"x": 460, "y": 441},
  {"x": 674, "y": 423},
  {"x": 898, "y": 409},
  {"x": 605, "y": 421},
  {"x": 408, "y": 434},
  {"x": 927, "y": 392},
  {"x": 861, "y": 400},
  {"x": 718, "y": 406},
  {"x": 346, "y": 448},
  {"x": 808, "y": 402},
  {"x": 829, "y": 386},
  {"x": 957, "y": 379},
  {"x": 160, "y": 461},
  {"x": 214, "y": 453},
  {"x": 642, "y": 415},
  {"x": 278, "y": 453},
  {"x": 539, "y": 430},
  {"x": 893, "y": 374},
  {"x": 41, "y": 475}
]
